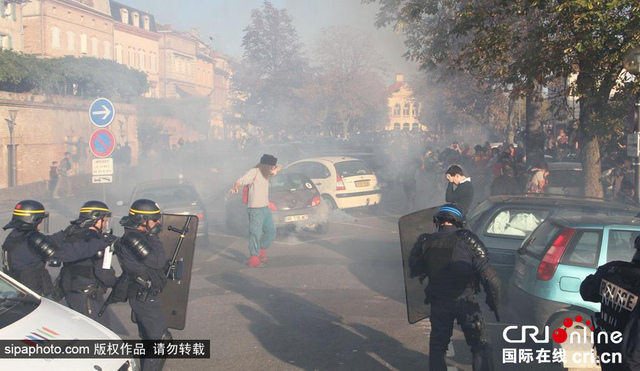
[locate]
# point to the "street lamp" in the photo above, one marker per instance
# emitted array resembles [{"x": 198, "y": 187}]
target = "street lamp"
[
  {"x": 631, "y": 63},
  {"x": 11, "y": 123}
]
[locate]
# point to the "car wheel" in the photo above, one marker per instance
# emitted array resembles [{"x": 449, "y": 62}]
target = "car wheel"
[{"x": 330, "y": 202}]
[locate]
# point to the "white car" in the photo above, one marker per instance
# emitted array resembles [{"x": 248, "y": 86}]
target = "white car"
[
  {"x": 27, "y": 318},
  {"x": 344, "y": 182}
]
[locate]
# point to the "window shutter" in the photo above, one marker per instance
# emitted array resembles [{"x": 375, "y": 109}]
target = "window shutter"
[{"x": 13, "y": 11}]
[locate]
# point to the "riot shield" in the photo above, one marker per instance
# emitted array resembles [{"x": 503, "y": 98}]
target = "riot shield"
[
  {"x": 411, "y": 226},
  {"x": 175, "y": 296}
]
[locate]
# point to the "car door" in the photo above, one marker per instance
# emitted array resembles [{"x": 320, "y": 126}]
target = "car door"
[{"x": 505, "y": 229}]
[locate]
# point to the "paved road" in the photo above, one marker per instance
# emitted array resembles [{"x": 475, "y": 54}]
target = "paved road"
[{"x": 325, "y": 302}]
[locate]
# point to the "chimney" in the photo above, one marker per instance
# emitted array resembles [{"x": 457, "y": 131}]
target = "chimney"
[{"x": 399, "y": 77}]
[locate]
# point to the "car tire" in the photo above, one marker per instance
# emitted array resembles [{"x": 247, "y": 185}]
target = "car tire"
[
  {"x": 556, "y": 321},
  {"x": 330, "y": 202}
]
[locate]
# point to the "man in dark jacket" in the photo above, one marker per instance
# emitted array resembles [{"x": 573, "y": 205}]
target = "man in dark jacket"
[{"x": 460, "y": 189}]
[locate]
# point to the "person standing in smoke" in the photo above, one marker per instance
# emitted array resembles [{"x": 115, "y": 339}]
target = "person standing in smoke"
[
  {"x": 456, "y": 263},
  {"x": 612, "y": 283},
  {"x": 26, "y": 250},
  {"x": 460, "y": 189},
  {"x": 262, "y": 231}
]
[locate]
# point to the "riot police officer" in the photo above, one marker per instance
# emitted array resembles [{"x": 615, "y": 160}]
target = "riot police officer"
[
  {"x": 142, "y": 257},
  {"x": 455, "y": 262},
  {"x": 84, "y": 282},
  {"x": 26, "y": 249},
  {"x": 616, "y": 285}
]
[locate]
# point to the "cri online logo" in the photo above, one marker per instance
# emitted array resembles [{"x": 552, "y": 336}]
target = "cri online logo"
[{"x": 560, "y": 335}]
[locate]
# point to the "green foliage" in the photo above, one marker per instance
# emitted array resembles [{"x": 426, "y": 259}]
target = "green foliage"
[
  {"x": 273, "y": 70},
  {"x": 86, "y": 77}
]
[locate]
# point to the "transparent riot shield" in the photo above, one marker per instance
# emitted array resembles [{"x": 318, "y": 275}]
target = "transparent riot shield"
[
  {"x": 411, "y": 226},
  {"x": 175, "y": 296}
]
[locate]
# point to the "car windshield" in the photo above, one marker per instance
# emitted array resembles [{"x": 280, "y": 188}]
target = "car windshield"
[
  {"x": 170, "y": 195},
  {"x": 352, "y": 168},
  {"x": 289, "y": 182},
  {"x": 15, "y": 303}
]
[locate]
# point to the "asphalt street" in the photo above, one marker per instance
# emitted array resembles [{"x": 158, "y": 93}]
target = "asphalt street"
[{"x": 324, "y": 302}]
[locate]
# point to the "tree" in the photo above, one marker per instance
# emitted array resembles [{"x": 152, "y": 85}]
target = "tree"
[
  {"x": 349, "y": 89},
  {"x": 273, "y": 70},
  {"x": 525, "y": 45}
]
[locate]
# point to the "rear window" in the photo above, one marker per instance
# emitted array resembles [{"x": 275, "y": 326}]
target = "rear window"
[
  {"x": 290, "y": 182},
  {"x": 515, "y": 222},
  {"x": 183, "y": 195},
  {"x": 584, "y": 250},
  {"x": 565, "y": 178},
  {"x": 540, "y": 239},
  {"x": 352, "y": 168}
]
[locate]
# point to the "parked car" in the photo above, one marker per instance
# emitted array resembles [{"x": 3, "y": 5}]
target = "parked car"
[
  {"x": 295, "y": 202},
  {"x": 30, "y": 318},
  {"x": 565, "y": 178},
  {"x": 503, "y": 222},
  {"x": 343, "y": 182},
  {"x": 175, "y": 196},
  {"x": 555, "y": 259}
]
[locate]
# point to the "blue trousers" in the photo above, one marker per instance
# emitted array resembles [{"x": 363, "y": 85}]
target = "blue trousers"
[{"x": 262, "y": 232}]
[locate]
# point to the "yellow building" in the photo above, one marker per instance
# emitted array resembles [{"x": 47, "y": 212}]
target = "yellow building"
[
  {"x": 57, "y": 28},
  {"x": 403, "y": 107},
  {"x": 11, "y": 25},
  {"x": 137, "y": 43}
]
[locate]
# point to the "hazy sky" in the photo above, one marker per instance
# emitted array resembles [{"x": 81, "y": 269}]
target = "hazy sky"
[{"x": 224, "y": 20}]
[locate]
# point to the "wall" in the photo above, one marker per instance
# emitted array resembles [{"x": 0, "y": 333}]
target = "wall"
[
  {"x": 43, "y": 126},
  {"x": 11, "y": 26}
]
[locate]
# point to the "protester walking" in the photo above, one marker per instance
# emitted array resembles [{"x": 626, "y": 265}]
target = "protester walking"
[
  {"x": 262, "y": 231},
  {"x": 64, "y": 170}
]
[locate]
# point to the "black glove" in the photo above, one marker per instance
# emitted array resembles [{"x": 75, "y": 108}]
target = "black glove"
[
  {"x": 110, "y": 238},
  {"x": 158, "y": 279}
]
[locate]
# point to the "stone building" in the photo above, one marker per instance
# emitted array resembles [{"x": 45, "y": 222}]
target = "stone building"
[
  {"x": 11, "y": 25},
  {"x": 57, "y": 28},
  {"x": 177, "y": 63},
  {"x": 137, "y": 42},
  {"x": 403, "y": 107}
]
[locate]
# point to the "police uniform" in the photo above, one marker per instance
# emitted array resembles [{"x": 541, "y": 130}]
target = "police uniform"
[
  {"x": 141, "y": 255},
  {"x": 616, "y": 285},
  {"x": 26, "y": 250},
  {"x": 455, "y": 262},
  {"x": 84, "y": 282}
]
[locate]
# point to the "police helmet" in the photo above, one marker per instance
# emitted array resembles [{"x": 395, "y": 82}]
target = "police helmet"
[
  {"x": 140, "y": 212},
  {"x": 449, "y": 213},
  {"x": 27, "y": 214},
  {"x": 91, "y": 212}
]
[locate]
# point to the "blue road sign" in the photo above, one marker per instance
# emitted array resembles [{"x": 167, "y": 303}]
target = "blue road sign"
[
  {"x": 102, "y": 112},
  {"x": 102, "y": 142}
]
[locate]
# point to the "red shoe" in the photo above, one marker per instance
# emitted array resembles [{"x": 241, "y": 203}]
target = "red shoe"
[
  {"x": 263, "y": 255},
  {"x": 254, "y": 262}
]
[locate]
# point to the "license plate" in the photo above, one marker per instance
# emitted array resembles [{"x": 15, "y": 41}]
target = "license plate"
[
  {"x": 363, "y": 183},
  {"x": 520, "y": 267},
  {"x": 295, "y": 218}
]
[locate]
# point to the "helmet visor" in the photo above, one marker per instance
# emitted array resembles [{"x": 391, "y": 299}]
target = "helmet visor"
[{"x": 44, "y": 224}]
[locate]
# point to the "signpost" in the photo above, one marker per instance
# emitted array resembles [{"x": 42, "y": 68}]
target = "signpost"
[
  {"x": 102, "y": 143},
  {"x": 102, "y": 112}
]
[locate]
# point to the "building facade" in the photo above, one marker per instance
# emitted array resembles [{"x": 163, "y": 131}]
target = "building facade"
[
  {"x": 177, "y": 63},
  {"x": 403, "y": 107},
  {"x": 11, "y": 25},
  {"x": 58, "y": 28},
  {"x": 137, "y": 43}
]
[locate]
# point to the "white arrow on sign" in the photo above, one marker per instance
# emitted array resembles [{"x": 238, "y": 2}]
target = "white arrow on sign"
[{"x": 106, "y": 112}]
